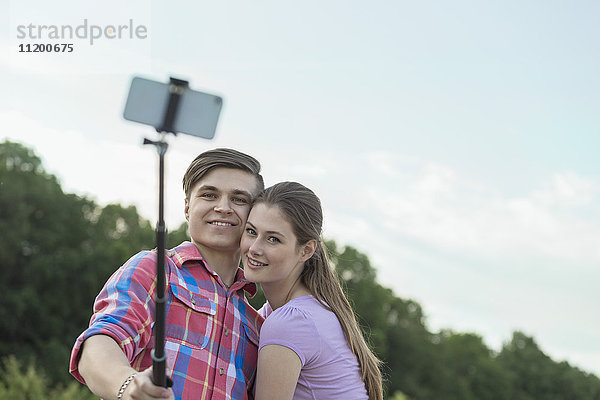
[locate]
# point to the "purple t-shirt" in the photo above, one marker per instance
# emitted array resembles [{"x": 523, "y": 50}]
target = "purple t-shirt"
[{"x": 329, "y": 368}]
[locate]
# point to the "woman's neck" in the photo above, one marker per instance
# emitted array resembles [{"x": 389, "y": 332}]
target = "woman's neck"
[{"x": 278, "y": 295}]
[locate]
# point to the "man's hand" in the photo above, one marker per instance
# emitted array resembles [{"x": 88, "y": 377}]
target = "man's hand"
[{"x": 142, "y": 388}]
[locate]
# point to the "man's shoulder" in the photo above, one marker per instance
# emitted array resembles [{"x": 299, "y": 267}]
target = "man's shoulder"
[
  {"x": 141, "y": 265},
  {"x": 144, "y": 261},
  {"x": 186, "y": 251}
]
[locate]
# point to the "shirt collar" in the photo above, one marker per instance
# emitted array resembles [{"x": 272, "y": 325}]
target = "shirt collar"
[{"x": 187, "y": 251}]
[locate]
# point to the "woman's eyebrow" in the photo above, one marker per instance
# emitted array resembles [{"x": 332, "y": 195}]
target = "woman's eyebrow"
[{"x": 267, "y": 232}]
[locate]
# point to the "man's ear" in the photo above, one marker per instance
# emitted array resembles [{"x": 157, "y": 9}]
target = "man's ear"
[
  {"x": 186, "y": 210},
  {"x": 308, "y": 249}
]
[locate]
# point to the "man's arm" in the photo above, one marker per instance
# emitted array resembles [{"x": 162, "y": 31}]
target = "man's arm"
[{"x": 105, "y": 368}]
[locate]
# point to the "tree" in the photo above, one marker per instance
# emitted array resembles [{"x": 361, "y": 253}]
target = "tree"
[
  {"x": 17, "y": 383},
  {"x": 535, "y": 376},
  {"x": 59, "y": 250},
  {"x": 470, "y": 369},
  {"x": 178, "y": 236},
  {"x": 393, "y": 326}
]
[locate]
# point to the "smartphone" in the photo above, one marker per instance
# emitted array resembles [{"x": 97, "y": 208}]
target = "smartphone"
[{"x": 197, "y": 113}]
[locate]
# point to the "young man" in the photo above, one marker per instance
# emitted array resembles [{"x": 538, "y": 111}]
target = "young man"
[{"x": 211, "y": 330}]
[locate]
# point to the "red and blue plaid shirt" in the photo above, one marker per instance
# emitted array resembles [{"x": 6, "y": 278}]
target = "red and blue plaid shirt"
[{"x": 211, "y": 332}]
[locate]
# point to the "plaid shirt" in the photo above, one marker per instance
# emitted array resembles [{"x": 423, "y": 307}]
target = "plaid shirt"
[{"x": 211, "y": 333}]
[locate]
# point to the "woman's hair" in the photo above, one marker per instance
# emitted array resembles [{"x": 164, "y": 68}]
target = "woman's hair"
[
  {"x": 220, "y": 158},
  {"x": 302, "y": 208}
]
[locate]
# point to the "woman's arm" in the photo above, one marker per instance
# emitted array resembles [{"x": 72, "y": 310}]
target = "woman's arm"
[{"x": 278, "y": 372}]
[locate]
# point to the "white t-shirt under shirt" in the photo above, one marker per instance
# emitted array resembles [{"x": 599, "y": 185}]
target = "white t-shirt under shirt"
[{"x": 329, "y": 368}]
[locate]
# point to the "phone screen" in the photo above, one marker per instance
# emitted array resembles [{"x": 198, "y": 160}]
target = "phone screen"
[{"x": 197, "y": 115}]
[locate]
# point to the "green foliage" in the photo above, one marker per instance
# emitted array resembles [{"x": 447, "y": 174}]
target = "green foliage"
[
  {"x": 394, "y": 327},
  {"x": 258, "y": 299},
  {"x": 447, "y": 365},
  {"x": 17, "y": 383},
  {"x": 60, "y": 248},
  {"x": 178, "y": 236},
  {"x": 399, "y": 396},
  {"x": 534, "y": 375},
  {"x": 467, "y": 357},
  {"x": 59, "y": 251}
]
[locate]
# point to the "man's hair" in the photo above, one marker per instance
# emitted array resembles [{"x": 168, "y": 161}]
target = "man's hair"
[{"x": 221, "y": 158}]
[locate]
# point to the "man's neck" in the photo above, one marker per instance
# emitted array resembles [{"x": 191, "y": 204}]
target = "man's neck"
[{"x": 224, "y": 263}]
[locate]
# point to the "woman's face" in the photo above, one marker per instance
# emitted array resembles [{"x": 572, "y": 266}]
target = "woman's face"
[{"x": 270, "y": 253}]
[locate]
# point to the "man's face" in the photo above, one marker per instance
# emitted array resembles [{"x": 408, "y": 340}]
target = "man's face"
[{"x": 218, "y": 208}]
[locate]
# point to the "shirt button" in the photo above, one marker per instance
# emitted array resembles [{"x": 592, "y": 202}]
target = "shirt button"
[
  {"x": 226, "y": 332},
  {"x": 221, "y": 371}
]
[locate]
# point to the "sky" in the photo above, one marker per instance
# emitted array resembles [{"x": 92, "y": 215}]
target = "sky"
[{"x": 454, "y": 143}]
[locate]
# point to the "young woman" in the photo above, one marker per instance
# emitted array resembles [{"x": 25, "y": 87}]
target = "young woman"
[{"x": 310, "y": 344}]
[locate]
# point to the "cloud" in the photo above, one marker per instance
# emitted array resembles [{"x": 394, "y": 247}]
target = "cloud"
[
  {"x": 105, "y": 171},
  {"x": 567, "y": 189},
  {"x": 476, "y": 258},
  {"x": 434, "y": 205}
]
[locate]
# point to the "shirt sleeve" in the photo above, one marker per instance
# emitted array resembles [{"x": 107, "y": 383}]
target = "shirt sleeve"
[
  {"x": 293, "y": 328},
  {"x": 124, "y": 309},
  {"x": 265, "y": 310}
]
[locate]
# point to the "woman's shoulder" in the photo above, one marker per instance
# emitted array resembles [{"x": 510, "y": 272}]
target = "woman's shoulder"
[
  {"x": 293, "y": 319},
  {"x": 292, "y": 326},
  {"x": 294, "y": 311}
]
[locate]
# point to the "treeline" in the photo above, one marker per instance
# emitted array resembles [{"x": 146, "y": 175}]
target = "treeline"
[{"x": 58, "y": 249}]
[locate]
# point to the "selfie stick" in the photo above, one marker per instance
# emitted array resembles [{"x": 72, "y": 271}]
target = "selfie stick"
[{"x": 159, "y": 358}]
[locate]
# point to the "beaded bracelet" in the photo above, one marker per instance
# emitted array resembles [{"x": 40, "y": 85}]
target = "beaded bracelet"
[{"x": 124, "y": 386}]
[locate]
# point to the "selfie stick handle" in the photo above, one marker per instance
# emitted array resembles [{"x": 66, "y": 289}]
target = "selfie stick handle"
[{"x": 159, "y": 358}]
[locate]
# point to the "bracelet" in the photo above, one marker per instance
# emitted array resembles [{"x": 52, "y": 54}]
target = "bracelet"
[{"x": 124, "y": 386}]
